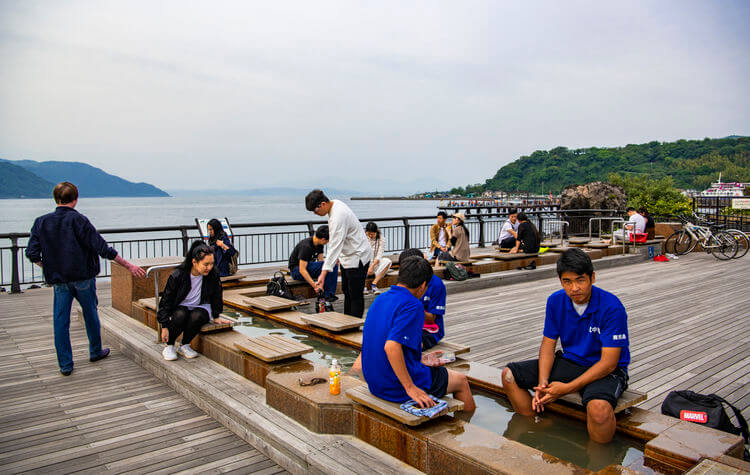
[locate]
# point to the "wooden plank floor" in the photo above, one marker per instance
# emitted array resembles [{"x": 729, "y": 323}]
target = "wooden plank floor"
[
  {"x": 688, "y": 322},
  {"x": 107, "y": 417}
]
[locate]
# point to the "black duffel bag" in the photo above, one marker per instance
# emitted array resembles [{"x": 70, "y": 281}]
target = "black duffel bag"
[
  {"x": 278, "y": 287},
  {"x": 707, "y": 410}
]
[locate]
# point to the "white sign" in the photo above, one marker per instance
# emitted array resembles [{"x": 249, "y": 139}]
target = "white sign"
[{"x": 741, "y": 203}]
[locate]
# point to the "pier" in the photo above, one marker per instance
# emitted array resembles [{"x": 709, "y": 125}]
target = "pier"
[{"x": 687, "y": 321}]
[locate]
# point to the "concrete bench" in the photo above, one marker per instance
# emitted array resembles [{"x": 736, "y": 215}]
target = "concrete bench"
[
  {"x": 516, "y": 255},
  {"x": 363, "y": 396},
  {"x": 273, "y": 347},
  {"x": 333, "y": 321},
  {"x": 270, "y": 303}
]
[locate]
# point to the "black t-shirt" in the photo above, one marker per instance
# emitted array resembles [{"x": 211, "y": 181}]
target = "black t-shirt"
[
  {"x": 305, "y": 250},
  {"x": 528, "y": 237},
  {"x": 650, "y": 222}
]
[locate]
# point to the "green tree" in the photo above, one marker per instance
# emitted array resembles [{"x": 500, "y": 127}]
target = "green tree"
[{"x": 659, "y": 196}]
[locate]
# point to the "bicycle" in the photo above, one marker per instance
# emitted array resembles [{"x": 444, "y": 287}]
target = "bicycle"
[
  {"x": 743, "y": 241},
  {"x": 721, "y": 244}
]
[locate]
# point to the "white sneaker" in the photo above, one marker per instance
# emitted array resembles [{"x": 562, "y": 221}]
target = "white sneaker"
[
  {"x": 169, "y": 353},
  {"x": 375, "y": 290},
  {"x": 187, "y": 352}
]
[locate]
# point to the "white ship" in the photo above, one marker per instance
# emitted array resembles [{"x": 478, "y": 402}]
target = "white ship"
[{"x": 719, "y": 188}]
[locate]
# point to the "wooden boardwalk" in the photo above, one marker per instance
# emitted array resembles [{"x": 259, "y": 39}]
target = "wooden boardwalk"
[
  {"x": 689, "y": 324},
  {"x": 107, "y": 417}
]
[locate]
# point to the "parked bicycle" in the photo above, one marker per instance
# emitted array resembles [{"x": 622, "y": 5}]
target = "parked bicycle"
[{"x": 720, "y": 243}]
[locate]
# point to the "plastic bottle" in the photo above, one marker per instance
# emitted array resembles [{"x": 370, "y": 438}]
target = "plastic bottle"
[{"x": 334, "y": 377}]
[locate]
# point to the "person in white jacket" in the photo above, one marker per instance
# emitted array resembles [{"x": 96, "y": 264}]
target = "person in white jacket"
[{"x": 348, "y": 245}]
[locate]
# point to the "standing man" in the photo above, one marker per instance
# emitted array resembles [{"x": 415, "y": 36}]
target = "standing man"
[
  {"x": 592, "y": 327},
  {"x": 509, "y": 231},
  {"x": 67, "y": 247},
  {"x": 348, "y": 244}
]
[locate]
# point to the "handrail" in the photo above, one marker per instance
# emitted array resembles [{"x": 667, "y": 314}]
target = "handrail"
[
  {"x": 600, "y": 218},
  {"x": 563, "y": 225},
  {"x": 156, "y": 270}
]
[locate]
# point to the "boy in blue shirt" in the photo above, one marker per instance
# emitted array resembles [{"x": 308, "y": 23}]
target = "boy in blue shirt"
[
  {"x": 434, "y": 306},
  {"x": 593, "y": 330},
  {"x": 392, "y": 345}
]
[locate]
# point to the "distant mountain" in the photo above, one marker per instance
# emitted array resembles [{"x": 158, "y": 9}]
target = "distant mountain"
[
  {"x": 17, "y": 182},
  {"x": 91, "y": 181},
  {"x": 273, "y": 191}
]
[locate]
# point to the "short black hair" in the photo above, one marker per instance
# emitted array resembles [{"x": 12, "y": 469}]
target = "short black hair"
[
  {"x": 322, "y": 232},
  {"x": 414, "y": 271},
  {"x": 314, "y": 198},
  {"x": 643, "y": 211},
  {"x": 630, "y": 208},
  {"x": 411, "y": 252},
  {"x": 522, "y": 217},
  {"x": 443, "y": 214},
  {"x": 576, "y": 261},
  {"x": 513, "y": 211}
]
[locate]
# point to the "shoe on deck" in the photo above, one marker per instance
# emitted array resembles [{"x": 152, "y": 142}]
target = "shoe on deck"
[
  {"x": 169, "y": 353},
  {"x": 66, "y": 373},
  {"x": 187, "y": 352},
  {"x": 102, "y": 354}
]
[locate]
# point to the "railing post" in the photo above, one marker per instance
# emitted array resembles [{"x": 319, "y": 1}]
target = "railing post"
[
  {"x": 15, "y": 282},
  {"x": 406, "y": 233},
  {"x": 481, "y": 230},
  {"x": 541, "y": 226},
  {"x": 310, "y": 229},
  {"x": 185, "y": 242}
]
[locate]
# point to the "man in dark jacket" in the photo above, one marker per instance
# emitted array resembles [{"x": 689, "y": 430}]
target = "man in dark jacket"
[{"x": 67, "y": 247}]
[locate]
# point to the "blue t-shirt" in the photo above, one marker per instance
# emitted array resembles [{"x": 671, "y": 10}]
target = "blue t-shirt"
[
  {"x": 434, "y": 303},
  {"x": 398, "y": 316},
  {"x": 604, "y": 324}
]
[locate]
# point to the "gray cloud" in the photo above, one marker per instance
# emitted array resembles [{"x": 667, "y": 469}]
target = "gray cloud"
[{"x": 382, "y": 96}]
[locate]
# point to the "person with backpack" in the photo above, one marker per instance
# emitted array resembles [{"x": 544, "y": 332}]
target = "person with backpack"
[
  {"x": 592, "y": 327},
  {"x": 306, "y": 263},
  {"x": 528, "y": 239},
  {"x": 222, "y": 247},
  {"x": 192, "y": 297},
  {"x": 348, "y": 245}
]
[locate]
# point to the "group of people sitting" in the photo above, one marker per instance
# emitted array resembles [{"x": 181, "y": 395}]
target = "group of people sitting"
[
  {"x": 590, "y": 323},
  {"x": 639, "y": 222},
  {"x": 449, "y": 238}
]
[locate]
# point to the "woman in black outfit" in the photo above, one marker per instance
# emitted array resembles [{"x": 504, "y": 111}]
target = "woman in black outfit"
[
  {"x": 221, "y": 245},
  {"x": 192, "y": 296}
]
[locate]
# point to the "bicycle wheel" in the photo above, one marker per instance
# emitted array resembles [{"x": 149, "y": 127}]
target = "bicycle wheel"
[
  {"x": 722, "y": 245},
  {"x": 743, "y": 242},
  {"x": 679, "y": 243}
]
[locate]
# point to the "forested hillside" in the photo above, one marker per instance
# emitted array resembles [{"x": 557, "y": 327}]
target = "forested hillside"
[{"x": 693, "y": 164}]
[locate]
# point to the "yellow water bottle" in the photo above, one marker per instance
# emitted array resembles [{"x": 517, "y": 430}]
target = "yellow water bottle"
[{"x": 334, "y": 377}]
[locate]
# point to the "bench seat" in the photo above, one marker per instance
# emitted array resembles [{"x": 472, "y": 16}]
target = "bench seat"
[
  {"x": 628, "y": 399},
  {"x": 271, "y": 348},
  {"x": 362, "y": 395},
  {"x": 271, "y": 303},
  {"x": 333, "y": 321}
]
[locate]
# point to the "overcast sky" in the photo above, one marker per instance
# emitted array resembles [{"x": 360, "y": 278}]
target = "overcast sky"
[{"x": 377, "y": 96}]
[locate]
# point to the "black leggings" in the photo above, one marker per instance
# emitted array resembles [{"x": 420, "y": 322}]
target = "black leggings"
[
  {"x": 353, "y": 285},
  {"x": 188, "y": 322}
]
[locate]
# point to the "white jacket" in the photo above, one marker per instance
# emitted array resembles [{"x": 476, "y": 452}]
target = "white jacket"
[{"x": 348, "y": 241}]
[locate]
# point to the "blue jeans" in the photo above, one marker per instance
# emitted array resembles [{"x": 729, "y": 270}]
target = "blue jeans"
[
  {"x": 85, "y": 292},
  {"x": 314, "y": 268}
]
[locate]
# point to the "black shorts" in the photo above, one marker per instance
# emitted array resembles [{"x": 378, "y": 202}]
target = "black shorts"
[
  {"x": 439, "y": 385},
  {"x": 609, "y": 388},
  {"x": 428, "y": 340}
]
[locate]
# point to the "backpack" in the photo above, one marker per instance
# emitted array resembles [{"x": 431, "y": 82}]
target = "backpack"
[
  {"x": 455, "y": 271},
  {"x": 278, "y": 286},
  {"x": 705, "y": 410},
  {"x": 234, "y": 262}
]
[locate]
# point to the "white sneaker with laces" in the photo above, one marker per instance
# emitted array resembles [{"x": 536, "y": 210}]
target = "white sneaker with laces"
[
  {"x": 169, "y": 353},
  {"x": 187, "y": 352}
]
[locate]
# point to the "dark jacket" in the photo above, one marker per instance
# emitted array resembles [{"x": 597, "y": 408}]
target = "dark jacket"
[
  {"x": 222, "y": 257},
  {"x": 177, "y": 288},
  {"x": 68, "y": 246}
]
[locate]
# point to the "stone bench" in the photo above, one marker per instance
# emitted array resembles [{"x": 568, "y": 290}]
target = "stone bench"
[
  {"x": 629, "y": 398},
  {"x": 362, "y": 395},
  {"x": 271, "y": 348}
]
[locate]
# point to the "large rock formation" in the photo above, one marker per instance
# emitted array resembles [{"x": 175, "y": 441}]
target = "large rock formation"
[{"x": 594, "y": 195}]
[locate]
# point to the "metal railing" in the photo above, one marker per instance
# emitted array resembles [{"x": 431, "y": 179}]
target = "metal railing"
[{"x": 272, "y": 242}]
